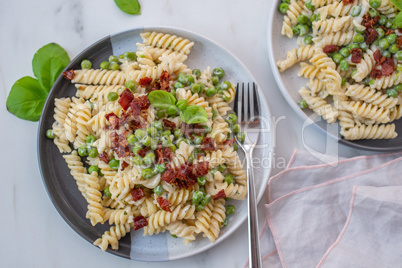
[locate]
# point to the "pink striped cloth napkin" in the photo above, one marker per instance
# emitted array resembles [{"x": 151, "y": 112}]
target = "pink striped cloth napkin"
[{"x": 344, "y": 214}]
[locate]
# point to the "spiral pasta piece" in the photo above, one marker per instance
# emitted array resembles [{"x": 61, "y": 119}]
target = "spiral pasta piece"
[
  {"x": 220, "y": 129},
  {"x": 388, "y": 9},
  {"x": 387, "y": 81},
  {"x": 167, "y": 41},
  {"x": 370, "y": 111},
  {"x": 194, "y": 99},
  {"x": 112, "y": 237},
  {"x": 380, "y": 131},
  {"x": 364, "y": 67},
  {"x": 319, "y": 106},
  {"x": 296, "y": 55},
  {"x": 366, "y": 94},
  {"x": 333, "y": 25},
  {"x": 335, "y": 38},
  {"x": 182, "y": 230},
  {"x": 295, "y": 9},
  {"x": 99, "y": 77}
]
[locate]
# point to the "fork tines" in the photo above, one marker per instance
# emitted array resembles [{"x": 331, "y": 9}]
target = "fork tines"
[{"x": 246, "y": 104}]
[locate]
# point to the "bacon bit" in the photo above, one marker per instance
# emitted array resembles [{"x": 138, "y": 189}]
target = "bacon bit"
[
  {"x": 368, "y": 21},
  {"x": 169, "y": 124},
  {"x": 347, "y": 2},
  {"x": 388, "y": 67},
  {"x": 377, "y": 56},
  {"x": 125, "y": 99},
  {"x": 330, "y": 48},
  {"x": 357, "y": 54},
  {"x": 371, "y": 35},
  {"x": 139, "y": 222},
  {"x": 168, "y": 176},
  {"x": 208, "y": 144},
  {"x": 220, "y": 195},
  {"x": 142, "y": 152},
  {"x": 184, "y": 178},
  {"x": 399, "y": 41},
  {"x": 138, "y": 122},
  {"x": 135, "y": 108},
  {"x": 120, "y": 145},
  {"x": 163, "y": 203},
  {"x": 144, "y": 102},
  {"x": 168, "y": 154},
  {"x": 159, "y": 156},
  {"x": 376, "y": 73},
  {"x": 69, "y": 75},
  {"x": 165, "y": 81},
  {"x": 113, "y": 120},
  {"x": 157, "y": 86},
  {"x": 201, "y": 169},
  {"x": 229, "y": 142},
  {"x": 104, "y": 157},
  {"x": 137, "y": 194},
  {"x": 124, "y": 165},
  {"x": 387, "y": 31},
  {"x": 145, "y": 81}
]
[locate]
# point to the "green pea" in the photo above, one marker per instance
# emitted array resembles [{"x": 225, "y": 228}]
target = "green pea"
[
  {"x": 90, "y": 139},
  {"x": 375, "y": 3},
  {"x": 130, "y": 85},
  {"x": 389, "y": 23},
  {"x": 315, "y": 17},
  {"x": 197, "y": 197},
  {"x": 382, "y": 20},
  {"x": 355, "y": 11},
  {"x": 386, "y": 53},
  {"x": 358, "y": 38},
  {"x": 132, "y": 139},
  {"x": 113, "y": 58},
  {"x": 202, "y": 87},
  {"x": 195, "y": 88},
  {"x": 211, "y": 92},
  {"x": 344, "y": 52},
  {"x": 146, "y": 141},
  {"x": 107, "y": 193},
  {"x": 302, "y": 104},
  {"x": 114, "y": 164},
  {"x": 173, "y": 148},
  {"x": 352, "y": 46},
  {"x": 190, "y": 79},
  {"x": 309, "y": 5},
  {"x": 226, "y": 85},
  {"x": 380, "y": 32},
  {"x": 283, "y": 8},
  {"x": 398, "y": 87},
  {"x": 205, "y": 201},
  {"x": 343, "y": 81},
  {"x": 373, "y": 13},
  {"x": 172, "y": 110},
  {"x": 219, "y": 72},
  {"x": 160, "y": 167},
  {"x": 157, "y": 125},
  {"x": 92, "y": 169},
  {"x": 93, "y": 152},
  {"x": 363, "y": 46},
  {"x": 296, "y": 30},
  {"x": 197, "y": 73},
  {"x": 182, "y": 78},
  {"x": 82, "y": 150},
  {"x": 160, "y": 114},
  {"x": 391, "y": 38},
  {"x": 308, "y": 39},
  {"x": 105, "y": 65},
  {"x": 236, "y": 128},
  {"x": 147, "y": 173},
  {"x": 230, "y": 209},
  {"x": 166, "y": 133},
  {"x": 130, "y": 55},
  {"x": 178, "y": 85},
  {"x": 231, "y": 118},
  {"x": 303, "y": 19},
  {"x": 115, "y": 66},
  {"x": 181, "y": 139},
  {"x": 303, "y": 29},
  {"x": 241, "y": 137},
  {"x": 158, "y": 190},
  {"x": 228, "y": 179},
  {"x": 393, "y": 49},
  {"x": 337, "y": 58},
  {"x": 225, "y": 221},
  {"x": 140, "y": 134},
  {"x": 376, "y": 42},
  {"x": 178, "y": 133},
  {"x": 398, "y": 55},
  {"x": 384, "y": 43},
  {"x": 166, "y": 142},
  {"x": 50, "y": 134},
  {"x": 201, "y": 180},
  {"x": 154, "y": 144},
  {"x": 221, "y": 168},
  {"x": 137, "y": 160},
  {"x": 353, "y": 72},
  {"x": 86, "y": 64},
  {"x": 392, "y": 92},
  {"x": 198, "y": 140},
  {"x": 215, "y": 80},
  {"x": 344, "y": 65},
  {"x": 112, "y": 96},
  {"x": 136, "y": 148}
]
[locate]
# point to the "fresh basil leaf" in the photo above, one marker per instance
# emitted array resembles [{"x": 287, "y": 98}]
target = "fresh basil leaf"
[
  {"x": 161, "y": 99},
  {"x": 194, "y": 114},
  {"x": 397, "y": 3},
  {"x": 131, "y": 7},
  {"x": 47, "y": 64},
  {"x": 398, "y": 20},
  {"x": 26, "y": 99}
]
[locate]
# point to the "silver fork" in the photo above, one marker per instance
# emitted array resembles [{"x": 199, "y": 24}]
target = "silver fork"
[{"x": 248, "y": 112}]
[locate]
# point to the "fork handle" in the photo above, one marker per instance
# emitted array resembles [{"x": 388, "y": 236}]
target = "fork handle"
[{"x": 252, "y": 220}]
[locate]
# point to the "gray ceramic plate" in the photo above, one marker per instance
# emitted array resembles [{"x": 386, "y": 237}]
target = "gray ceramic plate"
[
  {"x": 289, "y": 84},
  {"x": 61, "y": 186}
]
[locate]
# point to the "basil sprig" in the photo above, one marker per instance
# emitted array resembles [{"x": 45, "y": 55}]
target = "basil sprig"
[
  {"x": 28, "y": 95},
  {"x": 192, "y": 114},
  {"x": 131, "y": 7},
  {"x": 398, "y": 18}
]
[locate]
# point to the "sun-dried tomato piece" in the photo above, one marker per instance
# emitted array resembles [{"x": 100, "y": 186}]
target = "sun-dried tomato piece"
[
  {"x": 168, "y": 154},
  {"x": 201, "y": 169},
  {"x": 220, "y": 195},
  {"x": 104, "y": 157},
  {"x": 124, "y": 164},
  {"x": 125, "y": 99},
  {"x": 229, "y": 142},
  {"x": 135, "y": 108},
  {"x": 184, "y": 177},
  {"x": 113, "y": 120},
  {"x": 330, "y": 48},
  {"x": 208, "y": 144},
  {"x": 69, "y": 75},
  {"x": 137, "y": 193},
  {"x": 377, "y": 56},
  {"x": 164, "y": 81},
  {"x": 139, "y": 222},
  {"x": 371, "y": 35},
  {"x": 138, "y": 122},
  {"x": 142, "y": 152},
  {"x": 375, "y": 73},
  {"x": 388, "y": 67},
  {"x": 145, "y": 81},
  {"x": 399, "y": 41},
  {"x": 347, "y": 2},
  {"x": 368, "y": 21},
  {"x": 169, "y": 124},
  {"x": 159, "y": 156},
  {"x": 168, "y": 176},
  {"x": 163, "y": 203},
  {"x": 357, "y": 54},
  {"x": 143, "y": 102}
]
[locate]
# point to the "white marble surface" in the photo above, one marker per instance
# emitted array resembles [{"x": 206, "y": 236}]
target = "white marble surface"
[{"x": 32, "y": 232}]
